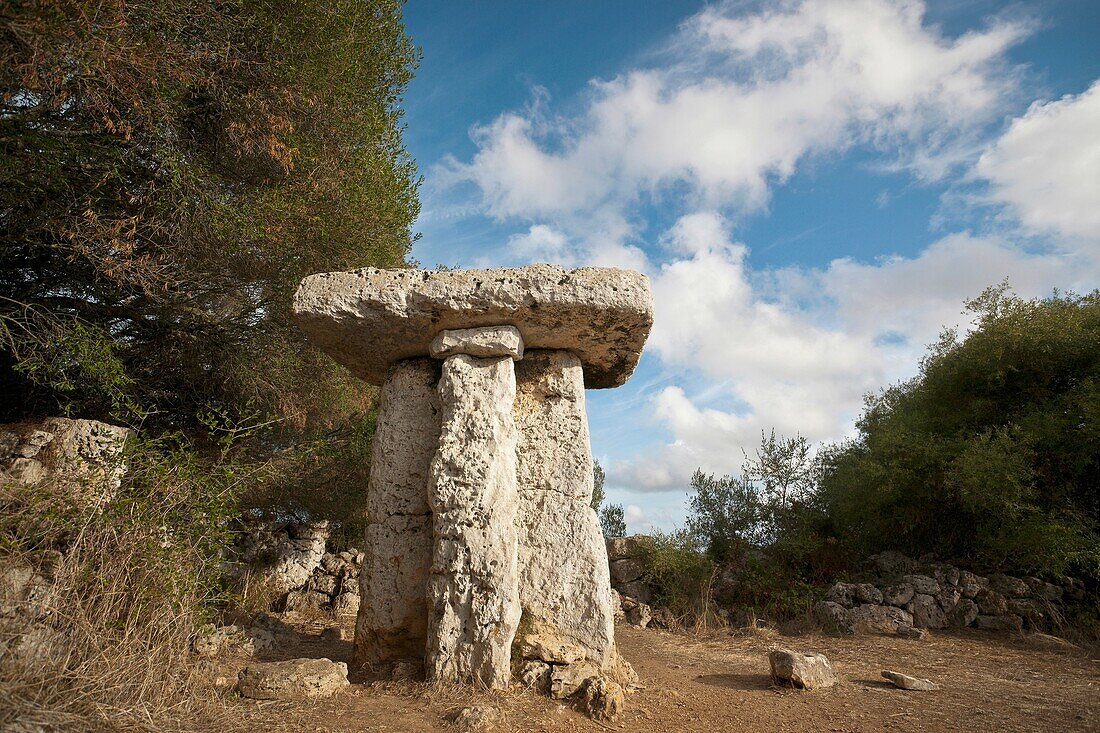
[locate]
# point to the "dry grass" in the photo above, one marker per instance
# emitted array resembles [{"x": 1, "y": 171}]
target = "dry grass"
[{"x": 97, "y": 608}]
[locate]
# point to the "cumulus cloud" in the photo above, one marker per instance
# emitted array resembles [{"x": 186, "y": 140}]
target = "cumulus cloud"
[
  {"x": 1046, "y": 166},
  {"x": 741, "y": 101}
]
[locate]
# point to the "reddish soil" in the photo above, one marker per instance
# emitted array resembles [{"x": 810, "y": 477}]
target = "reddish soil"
[{"x": 720, "y": 682}]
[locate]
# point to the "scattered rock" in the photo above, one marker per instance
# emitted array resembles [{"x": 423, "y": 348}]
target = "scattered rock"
[
  {"x": 807, "y": 671},
  {"x": 636, "y": 613},
  {"x": 295, "y": 679},
  {"x": 476, "y": 718},
  {"x": 908, "y": 632},
  {"x": 905, "y": 682},
  {"x": 603, "y": 699}
]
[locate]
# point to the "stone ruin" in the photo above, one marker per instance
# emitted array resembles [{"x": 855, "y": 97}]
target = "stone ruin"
[{"x": 484, "y": 557}]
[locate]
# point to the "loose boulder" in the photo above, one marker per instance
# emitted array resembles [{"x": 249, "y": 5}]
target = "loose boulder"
[
  {"x": 295, "y": 679},
  {"x": 905, "y": 682},
  {"x": 805, "y": 671}
]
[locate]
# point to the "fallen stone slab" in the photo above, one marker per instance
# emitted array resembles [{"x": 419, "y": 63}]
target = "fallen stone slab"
[
  {"x": 805, "y": 671},
  {"x": 370, "y": 318},
  {"x": 294, "y": 679},
  {"x": 905, "y": 682}
]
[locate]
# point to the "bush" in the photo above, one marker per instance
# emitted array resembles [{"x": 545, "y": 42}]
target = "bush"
[
  {"x": 991, "y": 454},
  {"x": 103, "y": 641},
  {"x": 680, "y": 576}
]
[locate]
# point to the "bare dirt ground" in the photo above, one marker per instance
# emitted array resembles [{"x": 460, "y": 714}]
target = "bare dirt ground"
[{"x": 719, "y": 682}]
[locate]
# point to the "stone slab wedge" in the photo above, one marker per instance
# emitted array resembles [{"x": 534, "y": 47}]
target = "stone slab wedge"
[
  {"x": 370, "y": 318},
  {"x": 482, "y": 342}
]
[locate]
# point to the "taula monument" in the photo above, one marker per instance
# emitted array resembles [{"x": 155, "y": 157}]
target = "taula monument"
[{"x": 484, "y": 557}]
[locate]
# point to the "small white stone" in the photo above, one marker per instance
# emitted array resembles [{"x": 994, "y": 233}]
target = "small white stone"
[{"x": 487, "y": 341}]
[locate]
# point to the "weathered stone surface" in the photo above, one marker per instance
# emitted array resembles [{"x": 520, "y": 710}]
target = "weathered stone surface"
[
  {"x": 83, "y": 454},
  {"x": 999, "y": 623},
  {"x": 637, "y": 614},
  {"x": 368, "y": 319},
  {"x": 568, "y": 679},
  {"x": 603, "y": 699},
  {"x": 806, "y": 671},
  {"x": 626, "y": 570},
  {"x": 475, "y": 718},
  {"x": 535, "y": 674},
  {"x": 637, "y": 590},
  {"x": 879, "y": 619},
  {"x": 487, "y": 341},
  {"x": 991, "y": 603},
  {"x": 905, "y": 682},
  {"x": 564, "y": 578},
  {"x": 392, "y": 620},
  {"x": 922, "y": 584},
  {"x": 548, "y": 647},
  {"x": 620, "y": 548},
  {"x": 833, "y": 618},
  {"x": 963, "y": 614},
  {"x": 295, "y": 679},
  {"x": 473, "y": 595},
  {"x": 969, "y": 584},
  {"x": 927, "y": 613},
  {"x": 867, "y": 593},
  {"x": 1009, "y": 586},
  {"x": 898, "y": 594},
  {"x": 843, "y": 594}
]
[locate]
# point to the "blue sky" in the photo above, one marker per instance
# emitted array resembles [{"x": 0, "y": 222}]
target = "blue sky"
[{"x": 814, "y": 189}]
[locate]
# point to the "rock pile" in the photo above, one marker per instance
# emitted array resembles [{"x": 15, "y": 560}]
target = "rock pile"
[
  {"x": 295, "y": 560},
  {"x": 481, "y": 537},
  {"x": 902, "y": 594},
  {"x": 83, "y": 454}
]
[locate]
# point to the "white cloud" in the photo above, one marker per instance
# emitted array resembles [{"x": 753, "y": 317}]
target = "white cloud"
[
  {"x": 1046, "y": 166},
  {"x": 743, "y": 100},
  {"x": 797, "y": 348}
]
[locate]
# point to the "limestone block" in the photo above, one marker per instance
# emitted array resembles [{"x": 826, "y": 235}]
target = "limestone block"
[
  {"x": 294, "y": 679},
  {"x": 564, "y": 582},
  {"x": 392, "y": 621},
  {"x": 483, "y": 342},
  {"x": 806, "y": 671},
  {"x": 905, "y": 682},
  {"x": 368, "y": 319},
  {"x": 473, "y": 608}
]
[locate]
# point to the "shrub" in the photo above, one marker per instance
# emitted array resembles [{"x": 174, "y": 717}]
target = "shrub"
[
  {"x": 103, "y": 641},
  {"x": 680, "y": 576}
]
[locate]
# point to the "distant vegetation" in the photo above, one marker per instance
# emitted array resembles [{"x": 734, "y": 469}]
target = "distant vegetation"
[{"x": 990, "y": 458}]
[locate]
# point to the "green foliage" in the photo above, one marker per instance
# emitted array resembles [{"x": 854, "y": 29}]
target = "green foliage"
[
  {"x": 992, "y": 453},
  {"x": 169, "y": 171},
  {"x": 678, "y": 574},
  {"x": 613, "y": 520},
  {"x": 598, "y": 478}
]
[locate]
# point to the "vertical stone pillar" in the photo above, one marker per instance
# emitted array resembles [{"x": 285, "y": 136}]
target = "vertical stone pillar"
[
  {"x": 473, "y": 609},
  {"x": 565, "y": 588},
  {"x": 393, "y": 612}
]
